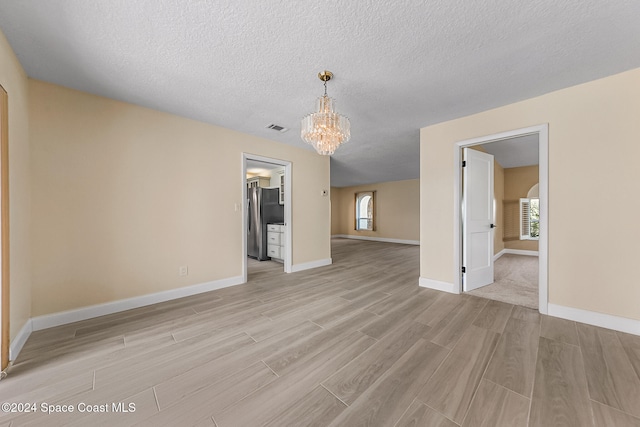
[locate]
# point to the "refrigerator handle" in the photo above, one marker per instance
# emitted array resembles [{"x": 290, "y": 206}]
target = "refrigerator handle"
[{"x": 248, "y": 216}]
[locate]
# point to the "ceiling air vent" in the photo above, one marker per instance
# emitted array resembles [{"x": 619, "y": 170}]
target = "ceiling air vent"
[{"x": 278, "y": 128}]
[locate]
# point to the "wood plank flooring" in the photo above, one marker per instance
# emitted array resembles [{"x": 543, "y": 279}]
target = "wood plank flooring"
[{"x": 357, "y": 343}]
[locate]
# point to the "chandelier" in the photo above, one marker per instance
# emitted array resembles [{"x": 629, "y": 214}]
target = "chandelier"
[{"x": 325, "y": 129}]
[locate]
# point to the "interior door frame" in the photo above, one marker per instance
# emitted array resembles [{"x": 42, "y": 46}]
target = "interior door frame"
[
  {"x": 543, "y": 243},
  {"x": 288, "y": 252}
]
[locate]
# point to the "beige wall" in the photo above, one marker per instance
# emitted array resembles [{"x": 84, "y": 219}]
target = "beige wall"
[
  {"x": 336, "y": 226},
  {"x": 593, "y": 135},
  {"x": 397, "y": 207},
  {"x": 14, "y": 81},
  {"x": 498, "y": 197},
  {"x": 517, "y": 183},
  {"x": 124, "y": 195}
]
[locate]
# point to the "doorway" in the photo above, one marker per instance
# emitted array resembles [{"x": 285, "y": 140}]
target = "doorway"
[
  {"x": 266, "y": 239},
  {"x": 462, "y": 252}
]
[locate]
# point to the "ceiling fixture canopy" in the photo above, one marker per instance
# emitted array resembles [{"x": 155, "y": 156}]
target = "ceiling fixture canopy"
[{"x": 325, "y": 129}]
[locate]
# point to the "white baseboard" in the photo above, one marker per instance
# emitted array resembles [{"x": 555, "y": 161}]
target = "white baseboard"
[
  {"x": 498, "y": 255},
  {"x": 70, "y": 316},
  {"x": 377, "y": 239},
  {"x": 607, "y": 321},
  {"x": 309, "y": 265},
  {"x": 514, "y": 252},
  {"x": 519, "y": 252},
  {"x": 438, "y": 286},
  {"x": 20, "y": 339}
]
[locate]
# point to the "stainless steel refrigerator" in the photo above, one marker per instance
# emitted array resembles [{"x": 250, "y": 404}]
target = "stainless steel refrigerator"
[{"x": 263, "y": 208}]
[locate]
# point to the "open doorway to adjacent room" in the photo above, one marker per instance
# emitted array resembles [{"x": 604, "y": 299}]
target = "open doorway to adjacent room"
[
  {"x": 503, "y": 217},
  {"x": 266, "y": 216}
]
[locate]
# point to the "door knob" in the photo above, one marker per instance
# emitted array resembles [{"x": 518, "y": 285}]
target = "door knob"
[{"x": 493, "y": 226}]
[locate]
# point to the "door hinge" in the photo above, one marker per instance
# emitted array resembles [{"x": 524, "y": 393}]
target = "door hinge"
[
  {"x": 464, "y": 270},
  {"x": 464, "y": 163}
]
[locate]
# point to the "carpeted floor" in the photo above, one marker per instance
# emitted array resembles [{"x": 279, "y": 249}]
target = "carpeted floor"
[{"x": 516, "y": 281}]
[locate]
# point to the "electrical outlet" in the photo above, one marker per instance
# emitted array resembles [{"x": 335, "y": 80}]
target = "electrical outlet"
[{"x": 183, "y": 271}]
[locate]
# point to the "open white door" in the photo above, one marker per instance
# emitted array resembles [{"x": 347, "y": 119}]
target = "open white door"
[{"x": 477, "y": 211}]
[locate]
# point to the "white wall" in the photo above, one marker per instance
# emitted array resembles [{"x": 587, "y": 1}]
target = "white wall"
[{"x": 275, "y": 177}]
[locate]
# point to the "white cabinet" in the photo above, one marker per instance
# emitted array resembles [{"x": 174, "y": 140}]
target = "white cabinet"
[
  {"x": 281, "y": 186},
  {"x": 258, "y": 181},
  {"x": 275, "y": 241}
]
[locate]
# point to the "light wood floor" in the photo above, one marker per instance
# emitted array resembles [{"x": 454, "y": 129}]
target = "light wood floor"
[{"x": 356, "y": 343}]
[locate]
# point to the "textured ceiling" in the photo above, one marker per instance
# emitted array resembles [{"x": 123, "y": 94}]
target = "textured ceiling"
[{"x": 399, "y": 65}]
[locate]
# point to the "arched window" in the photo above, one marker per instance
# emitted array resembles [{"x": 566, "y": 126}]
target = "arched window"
[
  {"x": 530, "y": 215},
  {"x": 365, "y": 208}
]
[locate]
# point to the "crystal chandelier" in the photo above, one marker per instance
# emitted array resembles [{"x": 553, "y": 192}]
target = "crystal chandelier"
[{"x": 325, "y": 129}]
